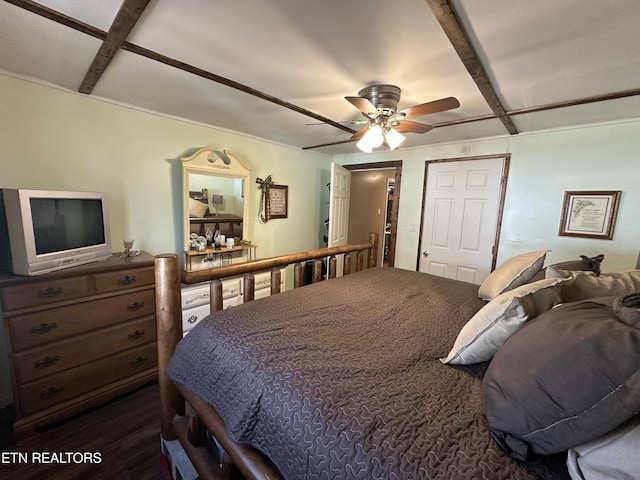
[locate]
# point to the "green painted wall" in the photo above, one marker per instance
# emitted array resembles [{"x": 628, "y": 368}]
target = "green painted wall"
[
  {"x": 59, "y": 140},
  {"x": 55, "y": 139},
  {"x": 543, "y": 166}
]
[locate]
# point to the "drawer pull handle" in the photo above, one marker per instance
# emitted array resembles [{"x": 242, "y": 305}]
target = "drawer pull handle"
[
  {"x": 50, "y": 292},
  {"x": 127, "y": 280},
  {"x": 192, "y": 319},
  {"x": 44, "y": 328},
  {"x": 139, "y": 361},
  {"x": 47, "y": 394},
  {"x": 135, "y": 306},
  {"x": 47, "y": 361},
  {"x": 137, "y": 334}
]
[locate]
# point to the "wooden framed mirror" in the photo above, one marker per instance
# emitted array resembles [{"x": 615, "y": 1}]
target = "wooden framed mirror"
[{"x": 215, "y": 199}]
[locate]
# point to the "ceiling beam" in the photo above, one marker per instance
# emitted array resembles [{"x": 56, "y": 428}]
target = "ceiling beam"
[
  {"x": 101, "y": 35},
  {"x": 548, "y": 106},
  {"x": 520, "y": 111},
  {"x": 58, "y": 17},
  {"x": 185, "y": 67},
  {"x": 445, "y": 14},
  {"x": 441, "y": 8},
  {"x": 126, "y": 18},
  {"x": 578, "y": 101}
]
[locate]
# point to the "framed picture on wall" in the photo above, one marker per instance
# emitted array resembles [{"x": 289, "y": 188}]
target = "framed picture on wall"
[
  {"x": 278, "y": 201},
  {"x": 589, "y": 214}
]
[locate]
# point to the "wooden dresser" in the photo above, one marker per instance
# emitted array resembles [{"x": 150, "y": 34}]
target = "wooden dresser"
[
  {"x": 195, "y": 298},
  {"x": 78, "y": 337}
]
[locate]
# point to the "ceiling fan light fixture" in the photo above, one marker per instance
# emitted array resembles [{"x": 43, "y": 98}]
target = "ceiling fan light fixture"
[
  {"x": 394, "y": 138},
  {"x": 372, "y": 139},
  {"x": 379, "y": 105}
]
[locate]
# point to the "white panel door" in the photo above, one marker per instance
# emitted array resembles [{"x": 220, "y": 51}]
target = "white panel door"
[
  {"x": 462, "y": 202},
  {"x": 339, "y": 208},
  {"x": 339, "y": 205}
]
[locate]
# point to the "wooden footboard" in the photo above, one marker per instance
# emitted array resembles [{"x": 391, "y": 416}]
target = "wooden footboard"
[{"x": 188, "y": 421}]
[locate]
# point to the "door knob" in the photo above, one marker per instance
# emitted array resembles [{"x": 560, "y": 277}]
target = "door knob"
[{"x": 425, "y": 254}]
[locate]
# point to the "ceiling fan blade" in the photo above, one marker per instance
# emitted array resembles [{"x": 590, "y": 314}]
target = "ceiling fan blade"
[
  {"x": 362, "y": 104},
  {"x": 346, "y": 122},
  {"x": 436, "y": 106},
  {"x": 407, "y": 126},
  {"x": 360, "y": 133}
]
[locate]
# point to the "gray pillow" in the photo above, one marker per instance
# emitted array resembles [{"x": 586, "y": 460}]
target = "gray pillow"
[
  {"x": 627, "y": 309},
  {"x": 585, "y": 264},
  {"x": 585, "y": 285},
  {"x": 567, "y": 377}
]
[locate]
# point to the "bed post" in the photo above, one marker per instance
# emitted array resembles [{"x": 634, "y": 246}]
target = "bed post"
[
  {"x": 249, "y": 287},
  {"x": 346, "y": 268},
  {"x": 373, "y": 253},
  {"x": 169, "y": 333},
  {"x": 215, "y": 295},
  {"x": 333, "y": 266},
  {"x": 297, "y": 275},
  {"x": 276, "y": 279}
]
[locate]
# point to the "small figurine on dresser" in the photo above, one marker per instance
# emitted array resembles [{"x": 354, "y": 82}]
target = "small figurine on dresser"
[{"x": 128, "y": 249}]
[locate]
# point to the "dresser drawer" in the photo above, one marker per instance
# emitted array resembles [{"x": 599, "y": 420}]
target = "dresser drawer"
[
  {"x": 123, "y": 279},
  {"x": 262, "y": 284},
  {"x": 57, "y": 356},
  {"x": 44, "y": 293},
  {"x": 33, "y": 329},
  {"x": 200, "y": 294},
  {"x": 262, "y": 280},
  {"x": 71, "y": 383},
  {"x": 192, "y": 316}
]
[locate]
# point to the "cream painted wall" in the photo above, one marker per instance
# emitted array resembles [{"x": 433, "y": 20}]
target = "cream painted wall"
[
  {"x": 61, "y": 140},
  {"x": 543, "y": 166}
]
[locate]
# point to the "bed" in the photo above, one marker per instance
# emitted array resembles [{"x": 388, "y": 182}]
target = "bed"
[{"x": 343, "y": 378}]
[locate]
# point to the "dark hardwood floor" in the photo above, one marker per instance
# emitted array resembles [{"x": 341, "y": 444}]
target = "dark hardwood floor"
[{"x": 125, "y": 433}]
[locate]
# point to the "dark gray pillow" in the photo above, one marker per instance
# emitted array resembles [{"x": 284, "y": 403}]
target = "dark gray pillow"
[
  {"x": 566, "y": 378},
  {"x": 627, "y": 309},
  {"x": 585, "y": 264}
]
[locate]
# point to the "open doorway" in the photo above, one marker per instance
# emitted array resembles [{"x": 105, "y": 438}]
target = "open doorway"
[{"x": 373, "y": 205}]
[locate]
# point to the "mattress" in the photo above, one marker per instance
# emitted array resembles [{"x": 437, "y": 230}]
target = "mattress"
[{"x": 342, "y": 379}]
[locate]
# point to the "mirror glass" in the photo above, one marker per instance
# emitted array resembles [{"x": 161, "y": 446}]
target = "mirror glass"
[
  {"x": 216, "y": 203},
  {"x": 215, "y": 197}
]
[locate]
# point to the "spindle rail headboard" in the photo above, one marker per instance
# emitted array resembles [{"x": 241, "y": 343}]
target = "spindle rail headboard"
[{"x": 188, "y": 421}]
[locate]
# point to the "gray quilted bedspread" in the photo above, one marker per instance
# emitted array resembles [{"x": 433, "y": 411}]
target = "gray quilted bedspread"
[{"x": 341, "y": 379}]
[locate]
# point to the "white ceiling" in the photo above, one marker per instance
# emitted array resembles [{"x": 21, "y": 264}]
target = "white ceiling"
[{"x": 312, "y": 54}]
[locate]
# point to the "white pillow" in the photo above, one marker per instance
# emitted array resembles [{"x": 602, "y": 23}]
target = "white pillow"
[
  {"x": 197, "y": 209},
  {"x": 514, "y": 272},
  {"x": 486, "y": 332}
]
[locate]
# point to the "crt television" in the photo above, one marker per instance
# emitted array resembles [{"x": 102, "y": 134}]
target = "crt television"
[{"x": 43, "y": 231}]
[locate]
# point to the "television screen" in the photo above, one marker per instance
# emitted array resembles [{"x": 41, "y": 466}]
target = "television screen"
[{"x": 66, "y": 223}]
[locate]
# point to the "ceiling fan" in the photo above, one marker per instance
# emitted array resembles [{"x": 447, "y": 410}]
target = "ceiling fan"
[{"x": 378, "y": 104}]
